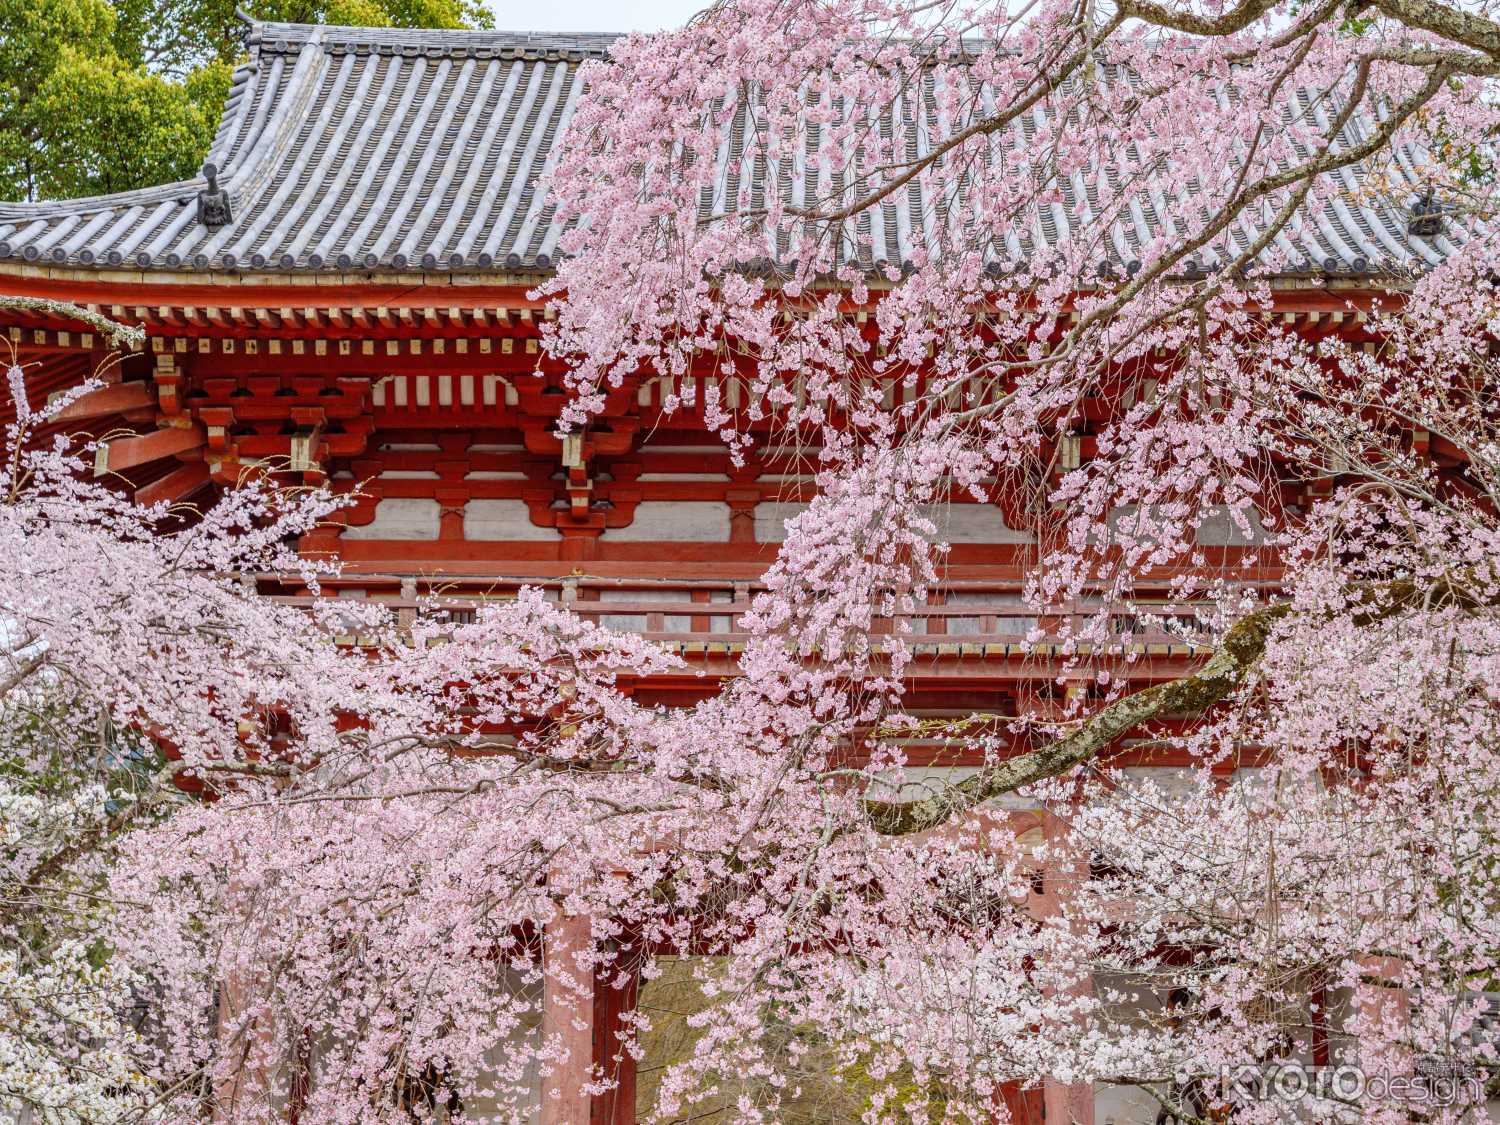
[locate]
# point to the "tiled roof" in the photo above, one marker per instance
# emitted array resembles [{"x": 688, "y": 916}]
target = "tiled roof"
[
  {"x": 359, "y": 149},
  {"x": 350, "y": 148}
]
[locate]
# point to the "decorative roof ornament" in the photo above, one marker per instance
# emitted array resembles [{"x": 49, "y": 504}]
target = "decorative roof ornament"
[
  {"x": 213, "y": 202},
  {"x": 1426, "y": 219}
]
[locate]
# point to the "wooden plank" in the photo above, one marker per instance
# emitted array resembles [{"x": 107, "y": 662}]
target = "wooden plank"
[
  {"x": 125, "y": 453},
  {"x": 177, "y": 485},
  {"x": 116, "y": 399}
]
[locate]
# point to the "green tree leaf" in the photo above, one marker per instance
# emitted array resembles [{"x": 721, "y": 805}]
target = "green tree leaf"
[{"x": 100, "y": 97}]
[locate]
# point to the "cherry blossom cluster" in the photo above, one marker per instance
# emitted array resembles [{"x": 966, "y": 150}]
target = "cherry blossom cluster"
[{"x": 1038, "y": 255}]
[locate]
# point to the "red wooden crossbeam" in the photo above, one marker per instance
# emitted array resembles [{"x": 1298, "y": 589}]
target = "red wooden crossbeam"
[
  {"x": 116, "y": 399},
  {"x": 177, "y": 485},
  {"x": 126, "y": 453}
]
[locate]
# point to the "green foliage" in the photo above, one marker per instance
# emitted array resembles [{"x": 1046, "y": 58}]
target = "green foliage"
[
  {"x": 176, "y": 37},
  {"x": 100, "y": 96},
  {"x": 111, "y": 126},
  {"x": 834, "y": 1086}
]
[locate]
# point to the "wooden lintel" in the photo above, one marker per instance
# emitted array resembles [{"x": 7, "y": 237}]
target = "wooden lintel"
[{"x": 126, "y": 453}]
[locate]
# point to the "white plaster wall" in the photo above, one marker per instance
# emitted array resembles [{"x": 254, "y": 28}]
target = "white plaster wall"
[
  {"x": 770, "y": 520},
  {"x": 1124, "y": 1105},
  {"x": 955, "y": 523},
  {"x": 491, "y": 520},
  {"x": 636, "y": 622},
  {"x": 1219, "y": 529},
  {"x": 645, "y": 594},
  {"x": 1127, "y": 1001},
  {"x": 972, "y": 523},
  {"x": 400, "y": 518},
  {"x": 478, "y": 1108},
  {"x": 675, "y": 521},
  {"x": 482, "y": 1106},
  {"x": 1172, "y": 781},
  {"x": 1011, "y": 615},
  {"x": 921, "y": 782}
]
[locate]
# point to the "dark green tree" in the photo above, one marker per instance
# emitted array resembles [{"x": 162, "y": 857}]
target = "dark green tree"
[
  {"x": 99, "y": 96},
  {"x": 177, "y": 36}
]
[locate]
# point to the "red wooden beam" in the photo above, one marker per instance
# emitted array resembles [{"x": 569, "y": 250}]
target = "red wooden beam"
[
  {"x": 116, "y": 399},
  {"x": 177, "y": 485},
  {"x": 126, "y": 453}
]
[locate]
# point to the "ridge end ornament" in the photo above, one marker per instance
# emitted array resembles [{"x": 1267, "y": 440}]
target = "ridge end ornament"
[{"x": 213, "y": 202}]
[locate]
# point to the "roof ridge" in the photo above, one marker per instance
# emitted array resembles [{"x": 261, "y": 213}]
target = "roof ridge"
[
  {"x": 155, "y": 193},
  {"x": 275, "y": 36},
  {"x": 253, "y": 162}
]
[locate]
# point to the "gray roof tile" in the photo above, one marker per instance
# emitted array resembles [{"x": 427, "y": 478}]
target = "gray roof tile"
[
  {"x": 352, "y": 148},
  {"x": 413, "y": 150}
]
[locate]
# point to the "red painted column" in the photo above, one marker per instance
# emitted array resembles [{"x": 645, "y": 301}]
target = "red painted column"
[
  {"x": 613, "y": 1001},
  {"x": 1023, "y": 1107},
  {"x": 238, "y": 1084},
  {"x": 242, "y": 1081},
  {"x": 1383, "y": 1007},
  {"x": 1065, "y": 1103},
  {"x": 567, "y": 1021}
]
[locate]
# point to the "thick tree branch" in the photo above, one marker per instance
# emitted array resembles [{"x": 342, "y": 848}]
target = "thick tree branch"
[
  {"x": 1451, "y": 23},
  {"x": 21, "y": 670},
  {"x": 1228, "y": 22},
  {"x": 1228, "y": 668}
]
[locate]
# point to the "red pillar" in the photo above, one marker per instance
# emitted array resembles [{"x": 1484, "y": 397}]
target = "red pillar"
[
  {"x": 1383, "y": 1005},
  {"x": 1065, "y": 1103},
  {"x": 584, "y": 1012},
  {"x": 567, "y": 1021},
  {"x": 1024, "y": 1107},
  {"x": 242, "y": 1079},
  {"x": 615, "y": 1106}
]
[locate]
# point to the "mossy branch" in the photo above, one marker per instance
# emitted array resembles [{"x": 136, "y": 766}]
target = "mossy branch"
[
  {"x": 1229, "y": 667},
  {"x": 126, "y": 337}
]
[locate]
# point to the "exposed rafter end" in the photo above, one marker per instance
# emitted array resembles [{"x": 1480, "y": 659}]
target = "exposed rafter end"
[{"x": 304, "y": 449}]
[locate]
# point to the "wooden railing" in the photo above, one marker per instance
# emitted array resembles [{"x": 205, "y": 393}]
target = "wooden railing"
[{"x": 963, "y": 620}]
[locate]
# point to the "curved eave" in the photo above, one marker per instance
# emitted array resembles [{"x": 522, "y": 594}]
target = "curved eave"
[
  {"x": 528, "y": 279},
  {"x": 416, "y": 306},
  {"x": 226, "y": 282}
]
